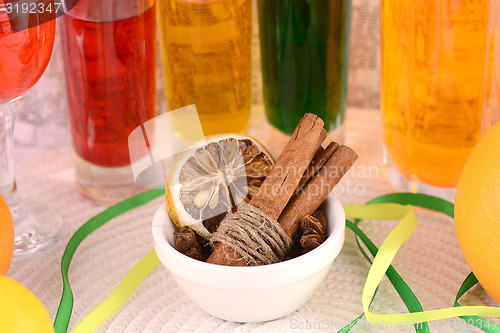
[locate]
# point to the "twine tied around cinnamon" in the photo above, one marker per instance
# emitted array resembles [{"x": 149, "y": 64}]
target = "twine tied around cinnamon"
[{"x": 256, "y": 237}]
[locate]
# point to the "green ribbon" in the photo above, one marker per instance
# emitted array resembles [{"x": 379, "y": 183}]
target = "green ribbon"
[
  {"x": 404, "y": 291},
  {"x": 381, "y": 265},
  {"x": 61, "y": 322},
  {"x": 391, "y": 206},
  {"x": 482, "y": 324}
]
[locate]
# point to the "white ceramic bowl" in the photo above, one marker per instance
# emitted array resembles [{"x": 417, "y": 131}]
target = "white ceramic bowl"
[{"x": 251, "y": 294}]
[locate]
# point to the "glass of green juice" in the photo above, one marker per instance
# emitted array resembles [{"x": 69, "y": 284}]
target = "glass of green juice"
[{"x": 304, "y": 53}]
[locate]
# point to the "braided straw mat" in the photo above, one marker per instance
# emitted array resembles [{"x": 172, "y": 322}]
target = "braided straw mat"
[{"x": 430, "y": 261}]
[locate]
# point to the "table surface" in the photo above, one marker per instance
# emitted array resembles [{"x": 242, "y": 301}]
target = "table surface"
[{"x": 430, "y": 261}]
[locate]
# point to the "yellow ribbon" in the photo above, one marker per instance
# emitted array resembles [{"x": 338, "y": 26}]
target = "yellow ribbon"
[
  {"x": 384, "y": 258},
  {"x": 113, "y": 302},
  {"x": 381, "y": 262}
]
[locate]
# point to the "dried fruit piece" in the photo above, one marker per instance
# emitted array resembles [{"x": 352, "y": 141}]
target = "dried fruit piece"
[
  {"x": 213, "y": 176},
  {"x": 313, "y": 231},
  {"x": 187, "y": 244}
]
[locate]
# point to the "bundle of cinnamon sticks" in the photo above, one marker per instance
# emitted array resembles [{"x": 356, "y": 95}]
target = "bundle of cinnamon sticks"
[{"x": 306, "y": 172}]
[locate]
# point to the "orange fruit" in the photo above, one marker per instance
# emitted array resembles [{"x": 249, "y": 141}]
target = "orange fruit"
[
  {"x": 6, "y": 237},
  {"x": 212, "y": 177},
  {"x": 20, "y": 310},
  {"x": 477, "y": 211}
]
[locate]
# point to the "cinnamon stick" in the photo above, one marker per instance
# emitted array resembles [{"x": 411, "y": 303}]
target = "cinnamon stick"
[
  {"x": 317, "y": 190},
  {"x": 282, "y": 182},
  {"x": 319, "y": 159},
  {"x": 305, "y": 202}
]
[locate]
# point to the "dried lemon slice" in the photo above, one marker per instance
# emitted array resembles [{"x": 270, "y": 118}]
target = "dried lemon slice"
[{"x": 214, "y": 176}]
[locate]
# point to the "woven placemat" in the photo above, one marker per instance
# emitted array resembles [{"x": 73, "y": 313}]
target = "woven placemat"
[{"x": 430, "y": 261}]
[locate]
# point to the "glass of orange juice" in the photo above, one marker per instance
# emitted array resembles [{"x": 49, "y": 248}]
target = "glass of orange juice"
[
  {"x": 440, "y": 68},
  {"x": 206, "y": 51}
]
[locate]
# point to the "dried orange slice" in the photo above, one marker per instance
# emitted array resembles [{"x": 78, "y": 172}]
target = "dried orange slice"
[{"x": 214, "y": 176}]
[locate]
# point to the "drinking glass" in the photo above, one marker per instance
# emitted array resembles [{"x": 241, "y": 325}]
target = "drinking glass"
[
  {"x": 24, "y": 55},
  {"x": 110, "y": 66},
  {"x": 304, "y": 53},
  {"x": 438, "y": 82},
  {"x": 206, "y": 51}
]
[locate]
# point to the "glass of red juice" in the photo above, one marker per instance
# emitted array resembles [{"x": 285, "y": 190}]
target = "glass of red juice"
[{"x": 110, "y": 60}]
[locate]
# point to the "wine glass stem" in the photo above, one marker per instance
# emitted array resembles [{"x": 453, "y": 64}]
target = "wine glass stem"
[
  {"x": 35, "y": 228},
  {"x": 8, "y": 188}
]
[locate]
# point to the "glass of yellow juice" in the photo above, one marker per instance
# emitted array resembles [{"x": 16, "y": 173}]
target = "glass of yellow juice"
[
  {"x": 438, "y": 83},
  {"x": 206, "y": 51}
]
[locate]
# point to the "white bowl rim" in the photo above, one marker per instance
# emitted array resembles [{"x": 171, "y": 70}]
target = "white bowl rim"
[{"x": 334, "y": 236}]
